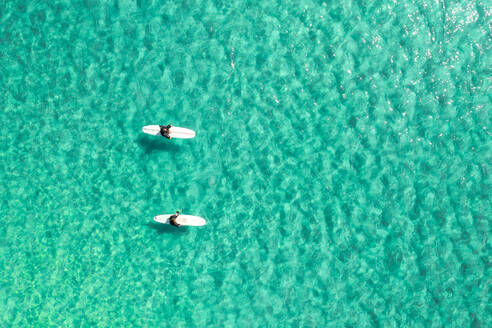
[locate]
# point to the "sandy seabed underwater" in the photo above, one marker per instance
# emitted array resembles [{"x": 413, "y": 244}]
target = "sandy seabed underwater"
[{"x": 342, "y": 162}]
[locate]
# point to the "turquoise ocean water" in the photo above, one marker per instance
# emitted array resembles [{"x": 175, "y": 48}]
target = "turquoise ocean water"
[{"x": 342, "y": 162}]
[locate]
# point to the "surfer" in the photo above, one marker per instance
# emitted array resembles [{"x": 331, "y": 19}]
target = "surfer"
[
  {"x": 165, "y": 130},
  {"x": 172, "y": 220}
]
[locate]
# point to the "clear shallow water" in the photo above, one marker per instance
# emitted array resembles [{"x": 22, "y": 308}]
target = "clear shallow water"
[{"x": 342, "y": 161}]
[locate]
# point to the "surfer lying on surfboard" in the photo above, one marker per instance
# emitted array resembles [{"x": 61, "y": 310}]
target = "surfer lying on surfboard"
[
  {"x": 172, "y": 218},
  {"x": 181, "y": 219},
  {"x": 165, "y": 130},
  {"x": 169, "y": 131}
]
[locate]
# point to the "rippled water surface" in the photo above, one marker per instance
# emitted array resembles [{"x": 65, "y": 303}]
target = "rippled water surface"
[{"x": 342, "y": 162}]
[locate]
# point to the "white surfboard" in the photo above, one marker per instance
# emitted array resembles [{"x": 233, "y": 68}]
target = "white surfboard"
[
  {"x": 174, "y": 131},
  {"x": 186, "y": 220}
]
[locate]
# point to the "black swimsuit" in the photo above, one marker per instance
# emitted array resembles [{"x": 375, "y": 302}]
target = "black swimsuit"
[
  {"x": 165, "y": 131},
  {"x": 172, "y": 220}
]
